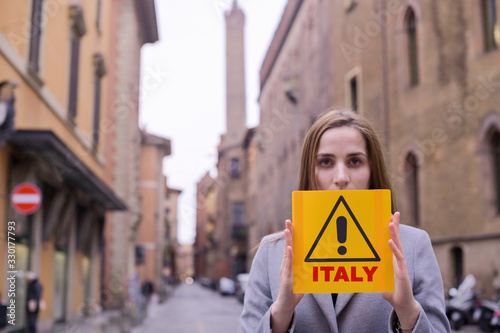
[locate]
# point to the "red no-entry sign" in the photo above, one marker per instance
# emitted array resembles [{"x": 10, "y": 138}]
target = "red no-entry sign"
[{"x": 26, "y": 198}]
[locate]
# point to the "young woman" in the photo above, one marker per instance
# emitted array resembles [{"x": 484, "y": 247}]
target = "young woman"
[{"x": 342, "y": 152}]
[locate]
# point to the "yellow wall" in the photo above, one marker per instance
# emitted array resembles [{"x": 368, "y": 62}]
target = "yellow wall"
[
  {"x": 34, "y": 115},
  {"x": 55, "y": 54},
  {"x": 31, "y": 110},
  {"x": 47, "y": 278},
  {"x": 15, "y": 19}
]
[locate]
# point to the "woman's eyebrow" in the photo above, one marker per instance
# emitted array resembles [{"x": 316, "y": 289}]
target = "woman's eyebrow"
[
  {"x": 332, "y": 155},
  {"x": 356, "y": 154}
]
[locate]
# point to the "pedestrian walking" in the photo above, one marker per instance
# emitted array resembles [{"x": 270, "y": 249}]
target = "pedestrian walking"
[
  {"x": 342, "y": 152},
  {"x": 34, "y": 301},
  {"x": 147, "y": 289}
]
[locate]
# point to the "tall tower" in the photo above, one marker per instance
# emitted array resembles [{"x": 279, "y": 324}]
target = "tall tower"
[{"x": 235, "y": 76}]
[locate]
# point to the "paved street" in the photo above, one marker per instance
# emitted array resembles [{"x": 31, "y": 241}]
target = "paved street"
[{"x": 193, "y": 309}]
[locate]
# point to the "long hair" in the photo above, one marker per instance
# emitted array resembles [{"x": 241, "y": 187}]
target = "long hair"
[{"x": 379, "y": 178}]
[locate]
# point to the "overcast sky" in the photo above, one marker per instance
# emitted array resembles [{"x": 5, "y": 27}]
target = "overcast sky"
[{"x": 183, "y": 86}]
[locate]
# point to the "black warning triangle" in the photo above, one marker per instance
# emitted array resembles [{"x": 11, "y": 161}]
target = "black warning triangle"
[{"x": 375, "y": 257}]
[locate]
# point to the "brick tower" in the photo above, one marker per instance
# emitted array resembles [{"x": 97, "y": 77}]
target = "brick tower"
[{"x": 235, "y": 76}]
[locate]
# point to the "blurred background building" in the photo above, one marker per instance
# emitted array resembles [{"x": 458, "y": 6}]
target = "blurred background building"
[
  {"x": 69, "y": 105},
  {"x": 426, "y": 73}
]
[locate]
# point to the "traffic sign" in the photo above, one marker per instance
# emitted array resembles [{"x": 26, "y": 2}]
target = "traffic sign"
[
  {"x": 26, "y": 198},
  {"x": 340, "y": 241}
]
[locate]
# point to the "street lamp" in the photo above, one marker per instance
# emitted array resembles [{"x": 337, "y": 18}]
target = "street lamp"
[{"x": 7, "y": 110}]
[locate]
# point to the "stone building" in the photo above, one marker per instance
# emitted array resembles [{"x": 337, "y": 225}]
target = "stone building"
[{"x": 427, "y": 74}]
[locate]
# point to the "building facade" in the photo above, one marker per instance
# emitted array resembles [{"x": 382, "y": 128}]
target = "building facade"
[
  {"x": 171, "y": 226},
  {"x": 151, "y": 241},
  {"x": 132, "y": 24},
  {"x": 53, "y": 79},
  {"x": 231, "y": 232},
  {"x": 69, "y": 83},
  {"x": 204, "y": 244},
  {"x": 426, "y": 74}
]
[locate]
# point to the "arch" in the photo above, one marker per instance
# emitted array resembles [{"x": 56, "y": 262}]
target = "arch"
[
  {"x": 409, "y": 184},
  {"x": 410, "y": 16},
  {"x": 410, "y": 28}
]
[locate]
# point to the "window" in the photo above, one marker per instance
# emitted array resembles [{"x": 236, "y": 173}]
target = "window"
[
  {"x": 238, "y": 214},
  {"x": 99, "y": 72},
  {"x": 73, "y": 75},
  {"x": 354, "y": 94},
  {"x": 412, "y": 191},
  {"x": 489, "y": 24},
  {"x": 235, "y": 168},
  {"x": 411, "y": 39},
  {"x": 495, "y": 152},
  {"x": 78, "y": 30},
  {"x": 98, "y": 15},
  {"x": 35, "y": 34},
  {"x": 353, "y": 89}
]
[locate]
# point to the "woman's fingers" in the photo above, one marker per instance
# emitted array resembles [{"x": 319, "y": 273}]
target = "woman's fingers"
[{"x": 288, "y": 249}]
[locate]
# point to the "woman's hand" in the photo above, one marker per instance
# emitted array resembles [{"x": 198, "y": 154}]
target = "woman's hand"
[
  {"x": 405, "y": 305},
  {"x": 283, "y": 308}
]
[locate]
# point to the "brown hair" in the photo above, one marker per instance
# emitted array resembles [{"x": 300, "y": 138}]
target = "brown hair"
[{"x": 379, "y": 178}]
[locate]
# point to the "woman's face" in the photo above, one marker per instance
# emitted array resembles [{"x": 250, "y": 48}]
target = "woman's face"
[{"x": 341, "y": 162}]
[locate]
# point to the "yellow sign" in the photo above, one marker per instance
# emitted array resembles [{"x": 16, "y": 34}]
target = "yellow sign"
[{"x": 341, "y": 241}]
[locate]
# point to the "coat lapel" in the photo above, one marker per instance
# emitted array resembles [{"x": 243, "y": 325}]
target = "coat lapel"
[
  {"x": 342, "y": 301},
  {"x": 325, "y": 303}
]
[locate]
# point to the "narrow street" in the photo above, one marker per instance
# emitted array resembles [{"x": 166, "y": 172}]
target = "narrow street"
[{"x": 193, "y": 309}]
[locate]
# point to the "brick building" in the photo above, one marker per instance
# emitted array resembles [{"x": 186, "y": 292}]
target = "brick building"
[{"x": 427, "y": 74}]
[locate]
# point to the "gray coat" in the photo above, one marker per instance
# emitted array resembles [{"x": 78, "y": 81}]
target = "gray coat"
[{"x": 359, "y": 312}]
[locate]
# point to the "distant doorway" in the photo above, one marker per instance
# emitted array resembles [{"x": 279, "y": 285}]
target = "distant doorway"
[{"x": 457, "y": 255}]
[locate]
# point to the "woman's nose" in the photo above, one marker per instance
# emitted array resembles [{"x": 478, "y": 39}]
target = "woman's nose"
[{"x": 340, "y": 177}]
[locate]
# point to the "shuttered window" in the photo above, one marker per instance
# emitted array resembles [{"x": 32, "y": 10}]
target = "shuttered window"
[
  {"x": 35, "y": 35},
  {"x": 73, "y": 76}
]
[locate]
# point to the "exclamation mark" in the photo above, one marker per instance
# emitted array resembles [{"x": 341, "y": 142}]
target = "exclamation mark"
[{"x": 341, "y": 234}]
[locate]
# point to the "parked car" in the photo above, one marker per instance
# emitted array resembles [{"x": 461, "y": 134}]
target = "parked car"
[
  {"x": 227, "y": 286},
  {"x": 241, "y": 285},
  {"x": 207, "y": 283}
]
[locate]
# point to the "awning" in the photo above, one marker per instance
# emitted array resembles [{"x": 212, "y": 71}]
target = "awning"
[{"x": 74, "y": 172}]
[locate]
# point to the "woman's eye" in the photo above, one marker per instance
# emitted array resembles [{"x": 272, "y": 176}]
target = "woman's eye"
[
  {"x": 325, "y": 162},
  {"x": 356, "y": 161}
]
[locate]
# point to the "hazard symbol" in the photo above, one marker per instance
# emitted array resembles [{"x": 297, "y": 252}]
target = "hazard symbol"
[{"x": 346, "y": 230}]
